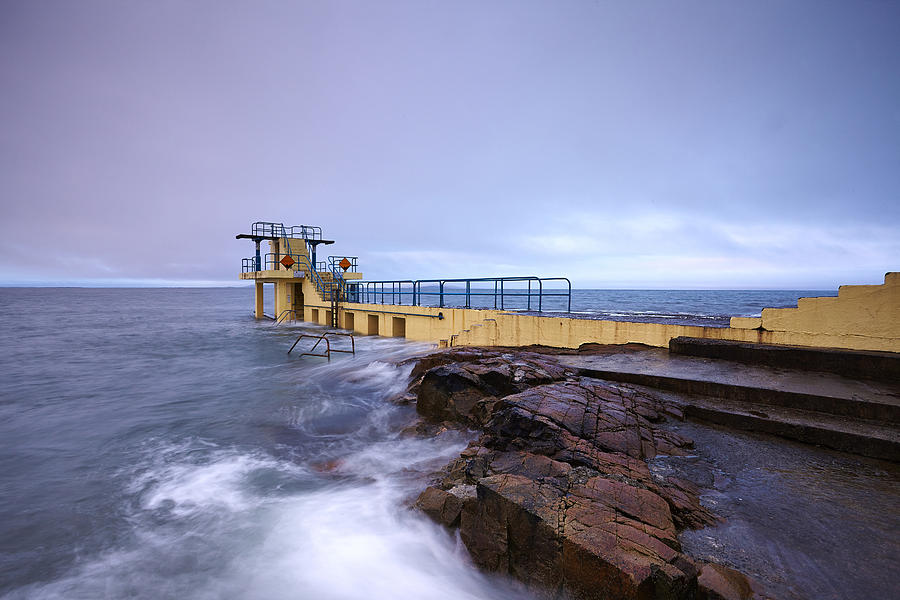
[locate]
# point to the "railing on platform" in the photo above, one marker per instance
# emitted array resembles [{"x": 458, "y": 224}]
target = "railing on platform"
[
  {"x": 248, "y": 265},
  {"x": 269, "y": 229},
  {"x": 324, "y": 338},
  {"x": 382, "y": 292},
  {"x": 500, "y": 293},
  {"x": 334, "y": 263}
]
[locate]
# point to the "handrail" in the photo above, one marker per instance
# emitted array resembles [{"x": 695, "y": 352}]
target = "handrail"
[
  {"x": 372, "y": 290},
  {"x": 375, "y": 292},
  {"x": 334, "y": 262},
  {"x": 283, "y": 314},
  {"x": 328, "y": 349},
  {"x": 273, "y": 229}
]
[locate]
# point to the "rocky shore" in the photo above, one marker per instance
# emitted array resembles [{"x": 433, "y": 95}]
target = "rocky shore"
[{"x": 556, "y": 490}]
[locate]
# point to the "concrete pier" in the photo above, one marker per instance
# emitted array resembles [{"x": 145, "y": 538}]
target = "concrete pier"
[{"x": 860, "y": 317}]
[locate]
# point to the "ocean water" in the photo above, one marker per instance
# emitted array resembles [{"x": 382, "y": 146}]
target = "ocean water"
[{"x": 160, "y": 443}]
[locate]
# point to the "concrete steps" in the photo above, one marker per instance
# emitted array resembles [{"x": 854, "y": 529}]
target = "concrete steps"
[
  {"x": 859, "y": 416},
  {"x": 856, "y": 364},
  {"x": 853, "y": 407},
  {"x": 865, "y": 437}
]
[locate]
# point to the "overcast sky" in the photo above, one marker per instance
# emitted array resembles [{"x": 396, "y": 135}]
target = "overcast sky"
[{"x": 673, "y": 144}]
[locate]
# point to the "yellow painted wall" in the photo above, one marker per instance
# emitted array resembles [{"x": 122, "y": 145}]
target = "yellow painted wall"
[
  {"x": 860, "y": 318},
  {"x": 871, "y": 311}
]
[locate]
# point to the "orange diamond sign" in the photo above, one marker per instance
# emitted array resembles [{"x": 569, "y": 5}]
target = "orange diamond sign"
[
  {"x": 287, "y": 261},
  {"x": 345, "y": 264}
]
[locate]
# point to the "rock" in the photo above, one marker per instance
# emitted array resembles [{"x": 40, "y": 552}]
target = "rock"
[
  {"x": 561, "y": 417},
  {"x": 684, "y": 500},
  {"x": 717, "y": 582},
  {"x": 556, "y": 491},
  {"x": 443, "y": 507},
  {"x": 466, "y": 392},
  {"x": 595, "y": 539}
]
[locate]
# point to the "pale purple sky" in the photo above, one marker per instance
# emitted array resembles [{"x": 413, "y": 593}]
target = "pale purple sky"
[{"x": 622, "y": 144}]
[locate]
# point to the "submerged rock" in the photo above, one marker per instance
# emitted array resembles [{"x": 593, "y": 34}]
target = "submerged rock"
[
  {"x": 556, "y": 491},
  {"x": 717, "y": 582}
]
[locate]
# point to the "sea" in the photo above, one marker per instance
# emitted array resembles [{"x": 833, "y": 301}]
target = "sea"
[{"x": 161, "y": 443}]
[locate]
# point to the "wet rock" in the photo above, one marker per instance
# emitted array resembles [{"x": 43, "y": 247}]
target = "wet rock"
[
  {"x": 684, "y": 500},
  {"x": 443, "y": 507},
  {"x": 571, "y": 416},
  {"x": 595, "y": 539},
  {"x": 557, "y": 491},
  {"x": 466, "y": 392},
  {"x": 717, "y": 582}
]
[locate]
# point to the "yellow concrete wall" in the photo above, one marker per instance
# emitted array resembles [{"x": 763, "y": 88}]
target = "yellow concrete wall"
[
  {"x": 860, "y": 318},
  {"x": 861, "y": 310}
]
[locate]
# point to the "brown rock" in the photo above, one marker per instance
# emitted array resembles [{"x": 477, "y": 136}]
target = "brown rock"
[
  {"x": 557, "y": 491},
  {"x": 553, "y": 418},
  {"x": 718, "y": 582},
  {"x": 443, "y": 507},
  {"x": 596, "y": 539},
  {"x": 466, "y": 392}
]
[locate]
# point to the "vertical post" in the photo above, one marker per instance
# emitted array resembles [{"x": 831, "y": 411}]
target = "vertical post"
[
  {"x": 529, "y": 297},
  {"x": 468, "y": 294},
  {"x": 442, "y": 294},
  {"x": 258, "y": 313},
  {"x": 258, "y": 258},
  {"x": 540, "y": 295}
]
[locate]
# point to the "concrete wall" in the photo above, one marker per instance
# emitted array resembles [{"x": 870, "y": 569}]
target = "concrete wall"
[
  {"x": 871, "y": 311},
  {"x": 859, "y": 318}
]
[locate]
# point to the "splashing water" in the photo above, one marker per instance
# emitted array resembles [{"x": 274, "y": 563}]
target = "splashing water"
[{"x": 187, "y": 455}]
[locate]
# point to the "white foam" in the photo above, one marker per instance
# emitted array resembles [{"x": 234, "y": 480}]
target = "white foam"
[
  {"x": 358, "y": 543},
  {"x": 205, "y": 528},
  {"x": 218, "y": 485}
]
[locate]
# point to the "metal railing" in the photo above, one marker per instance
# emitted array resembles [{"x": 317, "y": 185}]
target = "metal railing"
[
  {"x": 324, "y": 338},
  {"x": 272, "y": 261},
  {"x": 248, "y": 265},
  {"x": 334, "y": 264},
  {"x": 270, "y": 229},
  {"x": 500, "y": 293},
  {"x": 382, "y": 292},
  {"x": 284, "y": 315}
]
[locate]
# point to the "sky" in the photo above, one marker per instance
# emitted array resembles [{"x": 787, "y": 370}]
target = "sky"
[{"x": 688, "y": 144}]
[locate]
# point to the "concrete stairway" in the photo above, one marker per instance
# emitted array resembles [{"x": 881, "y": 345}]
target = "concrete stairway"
[{"x": 855, "y": 415}]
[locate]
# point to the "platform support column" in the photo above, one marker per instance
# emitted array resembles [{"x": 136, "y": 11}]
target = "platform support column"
[{"x": 259, "y": 300}]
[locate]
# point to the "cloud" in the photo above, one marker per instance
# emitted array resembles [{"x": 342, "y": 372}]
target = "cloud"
[
  {"x": 671, "y": 249},
  {"x": 726, "y": 144}
]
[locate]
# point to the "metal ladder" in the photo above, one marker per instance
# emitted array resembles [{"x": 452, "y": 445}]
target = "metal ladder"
[
  {"x": 324, "y": 338},
  {"x": 335, "y": 303}
]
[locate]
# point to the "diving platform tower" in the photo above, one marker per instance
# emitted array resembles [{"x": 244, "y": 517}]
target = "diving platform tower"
[{"x": 291, "y": 265}]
